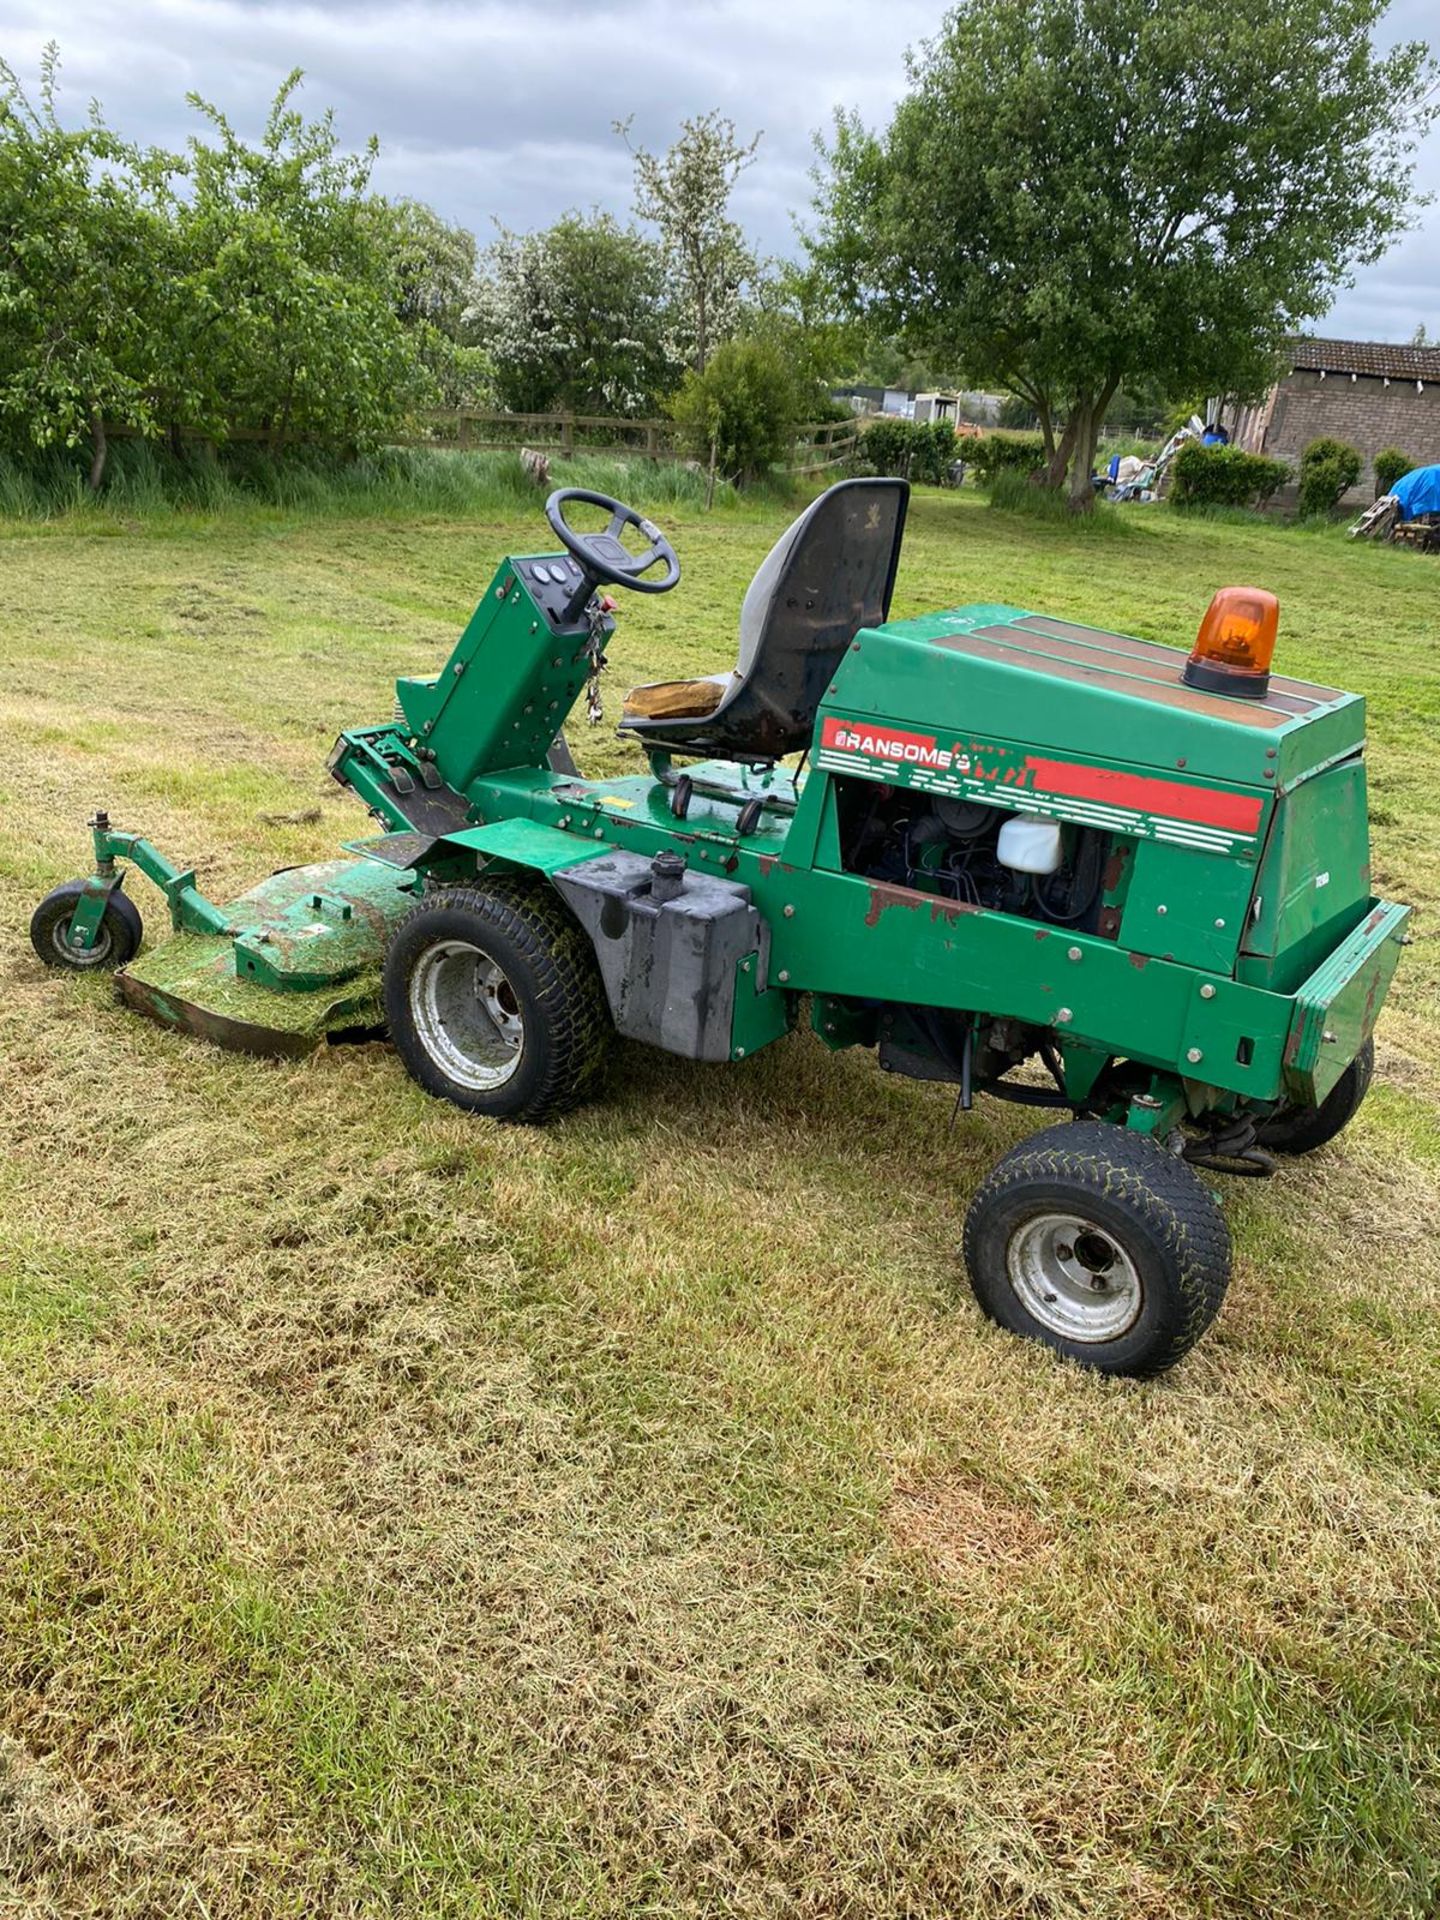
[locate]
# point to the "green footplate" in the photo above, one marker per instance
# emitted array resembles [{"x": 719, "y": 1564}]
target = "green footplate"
[{"x": 303, "y": 960}]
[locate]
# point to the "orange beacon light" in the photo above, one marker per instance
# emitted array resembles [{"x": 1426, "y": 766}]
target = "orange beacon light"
[{"x": 1235, "y": 643}]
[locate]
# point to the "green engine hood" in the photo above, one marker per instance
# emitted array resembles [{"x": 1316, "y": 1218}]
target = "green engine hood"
[{"x": 1010, "y": 674}]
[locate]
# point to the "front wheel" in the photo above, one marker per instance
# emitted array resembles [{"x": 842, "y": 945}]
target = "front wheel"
[
  {"x": 1101, "y": 1244},
  {"x": 494, "y": 1000},
  {"x": 117, "y": 938}
]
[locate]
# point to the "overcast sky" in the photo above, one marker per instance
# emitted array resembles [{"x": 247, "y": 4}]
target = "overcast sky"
[{"x": 495, "y": 111}]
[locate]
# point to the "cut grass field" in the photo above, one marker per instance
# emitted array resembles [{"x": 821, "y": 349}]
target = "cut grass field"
[{"x": 401, "y": 1514}]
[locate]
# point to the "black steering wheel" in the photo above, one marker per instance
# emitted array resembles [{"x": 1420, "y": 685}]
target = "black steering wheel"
[{"x": 603, "y": 556}]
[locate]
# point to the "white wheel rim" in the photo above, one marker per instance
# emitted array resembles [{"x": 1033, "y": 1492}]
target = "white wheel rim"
[
  {"x": 467, "y": 1015},
  {"x": 1074, "y": 1277}
]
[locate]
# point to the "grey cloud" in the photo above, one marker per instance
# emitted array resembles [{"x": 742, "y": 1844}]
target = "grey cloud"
[{"x": 503, "y": 111}]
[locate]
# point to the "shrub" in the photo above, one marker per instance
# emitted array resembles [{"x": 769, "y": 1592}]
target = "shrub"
[
  {"x": 745, "y": 404},
  {"x": 921, "y": 452},
  {"x": 992, "y": 453},
  {"x": 1328, "y": 470},
  {"x": 1391, "y": 465},
  {"x": 1224, "y": 477}
]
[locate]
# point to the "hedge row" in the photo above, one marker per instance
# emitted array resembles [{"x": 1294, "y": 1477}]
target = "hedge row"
[
  {"x": 922, "y": 451},
  {"x": 1224, "y": 477}
]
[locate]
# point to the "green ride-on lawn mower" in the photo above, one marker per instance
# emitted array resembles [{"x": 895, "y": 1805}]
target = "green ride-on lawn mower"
[{"x": 1031, "y": 858}]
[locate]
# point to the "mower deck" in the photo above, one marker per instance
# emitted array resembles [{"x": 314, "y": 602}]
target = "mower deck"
[{"x": 302, "y": 963}]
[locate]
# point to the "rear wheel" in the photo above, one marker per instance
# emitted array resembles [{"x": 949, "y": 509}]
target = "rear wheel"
[
  {"x": 1303, "y": 1129},
  {"x": 494, "y": 1001},
  {"x": 117, "y": 939},
  {"x": 1101, "y": 1244}
]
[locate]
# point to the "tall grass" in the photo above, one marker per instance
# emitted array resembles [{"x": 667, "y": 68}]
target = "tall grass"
[
  {"x": 144, "y": 481},
  {"x": 1012, "y": 492}
]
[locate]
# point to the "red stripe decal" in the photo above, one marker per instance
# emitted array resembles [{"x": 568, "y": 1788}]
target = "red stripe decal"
[{"x": 1238, "y": 812}]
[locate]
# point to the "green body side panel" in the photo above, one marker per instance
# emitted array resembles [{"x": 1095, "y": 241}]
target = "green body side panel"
[
  {"x": 318, "y": 971},
  {"x": 1313, "y": 885},
  {"x": 1336, "y": 1008},
  {"x": 759, "y": 1017},
  {"x": 521, "y": 843}
]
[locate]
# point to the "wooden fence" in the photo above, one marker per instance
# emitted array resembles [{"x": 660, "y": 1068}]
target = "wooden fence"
[{"x": 816, "y": 447}]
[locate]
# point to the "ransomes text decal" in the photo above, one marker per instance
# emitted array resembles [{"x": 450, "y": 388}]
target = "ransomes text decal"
[{"x": 1147, "y": 806}]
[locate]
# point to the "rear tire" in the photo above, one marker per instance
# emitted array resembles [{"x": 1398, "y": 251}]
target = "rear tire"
[
  {"x": 494, "y": 1000},
  {"x": 116, "y": 940},
  {"x": 1303, "y": 1129},
  {"x": 1098, "y": 1242}
]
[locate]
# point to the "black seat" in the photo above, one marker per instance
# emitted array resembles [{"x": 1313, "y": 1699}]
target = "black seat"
[{"x": 828, "y": 575}]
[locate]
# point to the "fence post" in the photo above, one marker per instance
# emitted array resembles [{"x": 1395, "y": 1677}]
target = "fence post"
[
  {"x": 652, "y": 441},
  {"x": 567, "y": 435}
]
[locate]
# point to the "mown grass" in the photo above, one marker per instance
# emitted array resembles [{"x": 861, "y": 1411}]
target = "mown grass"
[{"x": 403, "y": 1515}]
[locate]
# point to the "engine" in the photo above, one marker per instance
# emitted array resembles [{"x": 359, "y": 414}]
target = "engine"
[{"x": 972, "y": 853}]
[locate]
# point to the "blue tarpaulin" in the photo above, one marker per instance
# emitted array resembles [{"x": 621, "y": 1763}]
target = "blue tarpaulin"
[{"x": 1418, "y": 492}]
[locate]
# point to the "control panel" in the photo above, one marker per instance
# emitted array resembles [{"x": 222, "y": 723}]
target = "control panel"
[{"x": 551, "y": 580}]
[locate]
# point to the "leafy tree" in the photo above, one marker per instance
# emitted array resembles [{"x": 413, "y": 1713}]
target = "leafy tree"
[
  {"x": 576, "y": 317},
  {"x": 434, "y": 267},
  {"x": 284, "y": 314},
  {"x": 1328, "y": 470},
  {"x": 686, "y": 193},
  {"x": 82, "y": 228},
  {"x": 745, "y": 406},
  {"x": 1074, "y": 193},
  {"x": 1391, "y": 464}
]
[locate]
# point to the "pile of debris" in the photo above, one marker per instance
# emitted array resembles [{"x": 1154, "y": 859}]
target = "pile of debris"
[{"x": 1408, "y": 515}]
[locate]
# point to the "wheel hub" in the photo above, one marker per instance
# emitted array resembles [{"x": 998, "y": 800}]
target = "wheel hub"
[
  {"x": 1074, "y": 1277},
  {"x": 467, "y": 1014}
]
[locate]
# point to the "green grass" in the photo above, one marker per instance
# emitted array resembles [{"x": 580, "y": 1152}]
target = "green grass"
[{"x": 404, "y": 1515}]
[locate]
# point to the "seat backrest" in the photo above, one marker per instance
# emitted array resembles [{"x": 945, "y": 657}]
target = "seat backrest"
[{"x": 829, "y": 574}]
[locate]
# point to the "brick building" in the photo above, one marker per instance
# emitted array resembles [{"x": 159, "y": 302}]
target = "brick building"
[{"x": 1363, "y": 391}]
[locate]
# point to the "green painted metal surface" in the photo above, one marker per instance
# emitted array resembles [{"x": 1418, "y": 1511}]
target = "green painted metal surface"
[
  {"x": 759, "y": 1017},
  {"x": 306, "y": 961},
  {"x": 1336, "y": 1008}
]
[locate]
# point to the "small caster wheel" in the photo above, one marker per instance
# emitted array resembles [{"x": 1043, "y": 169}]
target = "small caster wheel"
[
  {"x": 117, "y": 940},
  {"x": 749, "y": 818},
  {"x": 680, "y": 796}
]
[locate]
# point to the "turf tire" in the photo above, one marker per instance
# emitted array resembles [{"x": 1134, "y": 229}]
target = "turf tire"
[
  {"x": 546, "y": 958},
  {"x": 1303, "y": 1129},
  {"x": 118, "y": 939},
  {"x": 1151, "y": 1205}
]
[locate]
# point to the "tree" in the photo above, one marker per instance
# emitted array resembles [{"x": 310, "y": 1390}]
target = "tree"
[
  {"x": 744, "y": 407},
  {"x": 82, "y": 225},
  {"x": 283, "y": 314},
  {"x": 575, "y": 317},
  {"x": 686, "y": 193},
  {"x": 1074, "y": 193},
  {"x": 434, "y": 268}
]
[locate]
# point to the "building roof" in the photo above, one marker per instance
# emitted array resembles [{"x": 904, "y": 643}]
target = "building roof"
[{"x": 1378, "y": 358}]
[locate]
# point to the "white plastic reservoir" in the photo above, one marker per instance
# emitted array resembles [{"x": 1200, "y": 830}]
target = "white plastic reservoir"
[{"x": 1029, "y": 845}]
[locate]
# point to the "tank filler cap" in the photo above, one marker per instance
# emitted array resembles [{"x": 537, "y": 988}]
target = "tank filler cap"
[{"x": 667, "y": 876}]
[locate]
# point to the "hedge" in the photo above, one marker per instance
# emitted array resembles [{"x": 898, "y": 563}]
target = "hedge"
[
  {"x": 1224, "y": 477},
  {"x": 1391, "y": 465},
  {"x": 992, "y": 453},
  {"x": 1328, "y": 470},
  {"x": 920, "y": 451}
]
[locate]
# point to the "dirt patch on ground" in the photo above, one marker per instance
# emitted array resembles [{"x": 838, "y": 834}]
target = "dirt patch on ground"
[{"x": 963, "y": 1531}]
